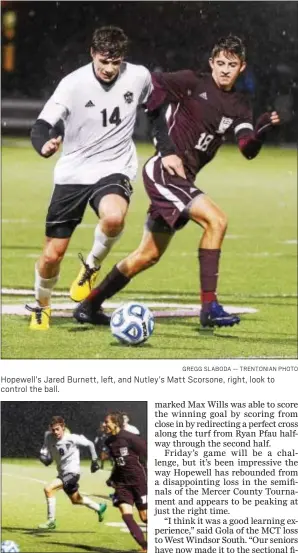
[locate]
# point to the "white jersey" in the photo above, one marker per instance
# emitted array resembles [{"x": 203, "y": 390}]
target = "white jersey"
[
  {"x": 99, "y": 122},
  {"x": 130, "y": 428},
  {"x": 65, "y": 452}
]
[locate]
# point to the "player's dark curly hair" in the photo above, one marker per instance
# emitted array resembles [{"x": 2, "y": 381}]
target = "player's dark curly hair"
[
  {"x": 231, "y": 44},
  {"x": 117, "y": 418},
  {"x": 110, "y": 41},
  {"x": 57, "y": 419}
]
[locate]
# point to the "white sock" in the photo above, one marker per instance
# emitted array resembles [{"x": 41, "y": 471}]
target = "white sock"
[
  {"x": 101, "y": 246},
  {"x": 51, "y": 504},
  {"x": 43, "y": 288},
  {"x": 89, "y": 503}
]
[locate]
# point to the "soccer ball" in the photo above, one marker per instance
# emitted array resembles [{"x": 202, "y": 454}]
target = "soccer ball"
[
  {"x": 8, "y": 546},
  {"x": 132, "y": 323}
]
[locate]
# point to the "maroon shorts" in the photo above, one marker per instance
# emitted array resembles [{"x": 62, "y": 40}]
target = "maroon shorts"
[
  {"x": 170, "y": 195},
  {"x": 132, "y": 495}
]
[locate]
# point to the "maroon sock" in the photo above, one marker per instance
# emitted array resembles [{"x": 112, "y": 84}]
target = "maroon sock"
[
  {"x": 135, "y": 530},
  {"x": 209, "y": 264},
  {"x": 111, "y": 284}
]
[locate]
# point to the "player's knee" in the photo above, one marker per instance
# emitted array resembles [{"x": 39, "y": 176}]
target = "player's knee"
[
  {"x": 52, "y": 256},
  {"x": 149, "y": 258},
  {"x": 219, "y": 223},
  {"x": 47, "y": 490},
  {"x": 113, "y": 223}
]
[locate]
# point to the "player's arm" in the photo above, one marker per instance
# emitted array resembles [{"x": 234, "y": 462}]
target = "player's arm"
[
  {"x": 44, "y": 136},
  {"x": 110, "y": 480},
  {"x": 44, "y": 454},
  {"x": 82, "y": 441},
  {"x": 139, "y": 446},
  {"x": 171, "y": 87},
  {"x": 163, "y": 143},
  {"x": 157, "y": 116},
  {"x": 167, "y": 88},
  {"x": 251, "y": 139}
]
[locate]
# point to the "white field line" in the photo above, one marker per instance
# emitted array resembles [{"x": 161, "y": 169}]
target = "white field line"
[
  {"x": 181, "y": 310},
  {"x": 37, "y": 480},
  {"x": 24, "y": 477},
  {"x": 123, "y": 525}
]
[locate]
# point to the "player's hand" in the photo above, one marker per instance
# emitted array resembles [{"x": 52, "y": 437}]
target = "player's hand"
[
  {"x": 110, "y": 483},
  {"x": 173, "y": 165},
  {"x": 274, "y": 118},
  {"x": 51, "y": 146},
  {"x": 94, "y": 466}
]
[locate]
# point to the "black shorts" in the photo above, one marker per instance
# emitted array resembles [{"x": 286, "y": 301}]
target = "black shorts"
[
  {"x": 131, "y": 494},
  {"x": 70, "y": 483},
  {"x": 170, "y": 197},
  {"x": 69, "y": 201}
]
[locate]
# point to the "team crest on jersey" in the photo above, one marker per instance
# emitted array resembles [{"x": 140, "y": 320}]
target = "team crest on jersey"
[
  {"x": 128, "y": 97},
  {"x": 225, "y": 123},
  {"x": 123, "y": 451}
]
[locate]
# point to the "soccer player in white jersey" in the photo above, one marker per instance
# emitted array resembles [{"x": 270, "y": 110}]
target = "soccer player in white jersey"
[
  {"x": 97, "y": 106},
  {"x": 62, "y": 447},
  {"x": 129, "y": 427}
]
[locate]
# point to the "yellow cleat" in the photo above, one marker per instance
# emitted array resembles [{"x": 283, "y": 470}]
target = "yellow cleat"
[
  {"x": 85, "y": 281},
  {"x": 40, "y": 317}
]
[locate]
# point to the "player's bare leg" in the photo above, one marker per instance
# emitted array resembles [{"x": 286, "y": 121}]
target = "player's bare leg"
[
  {"x": 77, "y": 499},
  {"x": 50, "y": 490},
  {"x": 150, "y": 250},
  {"x": 46, "y": 276},
  {"x": 112, "y": 211},
  {"x": 152, "y": 247},
  {"x": 126, "y": 511},
  {"x": 214, "y": 222}
]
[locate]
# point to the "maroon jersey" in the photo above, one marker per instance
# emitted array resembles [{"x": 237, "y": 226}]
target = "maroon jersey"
[
  {"x": 126, "y": 450},
  {"x": 199, "y": 115}
]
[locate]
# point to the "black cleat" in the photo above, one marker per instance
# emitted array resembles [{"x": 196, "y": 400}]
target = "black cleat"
[
  {"x": 216, "y": 316},
  {"x": 85, "y": 313}
]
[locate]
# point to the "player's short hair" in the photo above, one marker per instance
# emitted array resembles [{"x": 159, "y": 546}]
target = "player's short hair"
[
  {"x": 57, "y": 419},
  {"x": 110, "y": 41},
  {"x": 117, "y": 418},
  {"x": 231, "y": 44}
]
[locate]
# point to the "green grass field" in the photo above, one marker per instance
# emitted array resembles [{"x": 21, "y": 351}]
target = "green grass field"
[
  {"x": 24, "y": 508},
  {"x": 258, "y": 264}
]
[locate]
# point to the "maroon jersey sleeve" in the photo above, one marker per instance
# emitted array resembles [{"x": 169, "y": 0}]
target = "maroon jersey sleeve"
[
  {"x": 171, "y": 87},
  {"x": 243, "y": 124},
  {"x": 139, "y": 446}
]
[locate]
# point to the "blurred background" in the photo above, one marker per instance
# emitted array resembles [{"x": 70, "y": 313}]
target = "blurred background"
[
  {"x": 23, "y": 423},
  {"x": 43, "y": 41}
]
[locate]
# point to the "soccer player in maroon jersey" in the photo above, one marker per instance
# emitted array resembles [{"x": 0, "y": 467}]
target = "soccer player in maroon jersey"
[
  {"x": 200, "y": 111},
  {"x": 128, "y": 477}
]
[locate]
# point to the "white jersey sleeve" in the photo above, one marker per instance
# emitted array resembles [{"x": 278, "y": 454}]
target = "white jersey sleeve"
[
  {"x": 45, "y": 453},
  {"x": 81, "y": 441},
  {"x": 147, "y": 88},
  {"x": 59, "y": 104},
  {"x": 44, "y": 449},
  {"x": 132, "y": 429}
]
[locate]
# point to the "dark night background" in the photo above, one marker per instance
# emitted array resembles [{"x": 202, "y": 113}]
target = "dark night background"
[
  {"x": 52, "y": 38},
  {"x": 24, "y": 423}
]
